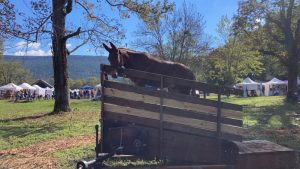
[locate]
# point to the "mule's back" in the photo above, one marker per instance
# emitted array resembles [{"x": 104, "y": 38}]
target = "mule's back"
[{"x": 149, "y": 63}]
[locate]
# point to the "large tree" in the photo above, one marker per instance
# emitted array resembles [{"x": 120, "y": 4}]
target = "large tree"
[
  {"x": 281, "y": 20},
  {"x": 234, "y": 59},
  {"x": 178, "y": 36},
  {"x": 11, "y": 71},
  {"x": 53, "y": 20}
]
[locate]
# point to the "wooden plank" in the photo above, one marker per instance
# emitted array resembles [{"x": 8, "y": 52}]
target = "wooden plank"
[
  {"x": 174, "y": 80},
  {"x": 194, "y": 123},
  {"x": 155, "y": 123},
  {"x": 170, "y": 110},
  {"x": 201, "y": 124},
  {"x": 175, "y": 167},
  {"x": 124, "y": 118},
  {"x": 170, "y": 103},
  {"x": 168, "y": 95}
]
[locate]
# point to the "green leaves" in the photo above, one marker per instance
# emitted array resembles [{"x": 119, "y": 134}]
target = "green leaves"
[
  {"x": 231, "y": 63},
  {"x": 11, "y": 71}
]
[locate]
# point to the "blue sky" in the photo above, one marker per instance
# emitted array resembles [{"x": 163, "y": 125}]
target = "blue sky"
[{"x": 212, "y": 10}]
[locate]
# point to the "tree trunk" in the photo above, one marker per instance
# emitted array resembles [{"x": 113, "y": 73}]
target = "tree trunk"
[
  {"x": 292, "y": 77},
  {"x": 60, "y": 63}
]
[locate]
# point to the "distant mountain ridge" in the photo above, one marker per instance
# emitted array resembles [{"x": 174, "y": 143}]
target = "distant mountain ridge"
[{"x": 80, "y": 67}]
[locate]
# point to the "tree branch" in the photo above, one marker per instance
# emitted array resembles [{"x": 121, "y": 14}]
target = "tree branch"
[
  {"x": 297, "y": 35},
  {"x": 69, "y": 6},
  {"x": 83, "y": 43},
  {"x": 274, "y": 36},
  {"x": 65, "y": 38},
  {"x": 40, "y": 26},
  {"x": 118, "y": 4},
  {"x": 290, "y": 12},
  {"x": 94, "y": 17},
  {"x": 278, "y": 23}
]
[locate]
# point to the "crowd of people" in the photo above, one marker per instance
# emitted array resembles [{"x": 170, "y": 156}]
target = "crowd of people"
[
  {"x": 85, "y": 94},
  {"x": 32, "y": 95}
]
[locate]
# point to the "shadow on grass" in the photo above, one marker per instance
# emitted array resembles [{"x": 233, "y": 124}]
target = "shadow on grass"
[
  {"x": 275, "y": 116},
  {"x": 18, "y": 131},
  {"x": 27, "y": 117}
]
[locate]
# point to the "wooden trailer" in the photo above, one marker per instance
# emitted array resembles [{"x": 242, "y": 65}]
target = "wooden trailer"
[{"x": 152, "y": 123}]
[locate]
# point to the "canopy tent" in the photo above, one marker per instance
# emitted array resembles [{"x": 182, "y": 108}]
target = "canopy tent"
[
  {"x": 11, "y": 87},
  {"x": 248, "y": 85},
  {"x": 98, "y": 86},
  {"x": 42, "y": 84},
  {"x": 86, "y": 87},
  {"x": 98, "y": 91},
  {"x": 49, "y": 91},
  {"x": 39, "y": 91},
  {"x": 275, "y": 87},
  {"x": 275, "y": 81},
  {"x": 27, "y": 86}
]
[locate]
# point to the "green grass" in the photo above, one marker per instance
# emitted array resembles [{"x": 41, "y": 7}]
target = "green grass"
[
  {"x": 270, "y": 118},
  {"x": 28, "y": 123},
  {"x": 23, "y": 124},
  {"x": 69, "y": 157}
]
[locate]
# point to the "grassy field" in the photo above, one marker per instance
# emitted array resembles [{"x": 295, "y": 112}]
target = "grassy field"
[
  {"x": 26, "y": 126},
  {"x": 270, "y": 118}
]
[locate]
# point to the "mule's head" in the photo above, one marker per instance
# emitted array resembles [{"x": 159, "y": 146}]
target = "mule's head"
[{"x": 114, "y": 59}]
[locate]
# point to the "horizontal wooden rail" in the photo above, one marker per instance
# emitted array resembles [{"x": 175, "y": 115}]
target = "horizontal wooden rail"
[
  {"x": 168, "y": 95},
  {"x": 207, "y": 88},
  {"x": 181, "y": 113}
]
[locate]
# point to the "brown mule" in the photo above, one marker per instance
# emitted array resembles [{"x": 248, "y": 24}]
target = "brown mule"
[{"x": 119, "y": 57}]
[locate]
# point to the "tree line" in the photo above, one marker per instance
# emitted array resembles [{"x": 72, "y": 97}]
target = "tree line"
[{"x": 261, "y": 40}]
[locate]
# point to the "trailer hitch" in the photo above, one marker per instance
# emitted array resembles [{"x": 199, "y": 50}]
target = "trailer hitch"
[{"x": 97, "y": 163}]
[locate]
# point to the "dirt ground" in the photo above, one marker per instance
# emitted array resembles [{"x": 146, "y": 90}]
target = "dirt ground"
[{"x": 39, "y": 155}]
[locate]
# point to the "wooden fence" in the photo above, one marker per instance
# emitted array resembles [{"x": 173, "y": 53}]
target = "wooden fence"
[{"x": 171, "y": 111}]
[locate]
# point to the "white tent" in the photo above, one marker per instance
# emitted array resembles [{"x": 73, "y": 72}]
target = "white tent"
[
  {"x": 249, "y": 85},
  {"x": 275, "y": 81},
  {"x": 275, "y": 86},
  {"x": 49, "y": 91},
  {"x": 98, "y": 86},
  {"x": 39, "y": 91},
  {"x": 27, "y": 86},
  {"x": 11, "y": 87}
]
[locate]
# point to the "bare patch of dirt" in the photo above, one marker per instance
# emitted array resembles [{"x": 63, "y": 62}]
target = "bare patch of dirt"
[{"x": 39, "y": 155}]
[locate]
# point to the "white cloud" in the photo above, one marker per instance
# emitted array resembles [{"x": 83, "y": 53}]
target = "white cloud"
[
  {"x": 30, "y": 45},
  {"x": 34, "y": 45},
  {"x": 38, "y": 52},
  {"x": 33, "y": 49}
]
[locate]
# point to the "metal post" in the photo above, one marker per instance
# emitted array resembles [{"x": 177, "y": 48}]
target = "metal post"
[
  {"x": 97, "y": 140},
  {"x": 219, "y": 126},
  {"x": 161, "y": 128},
  {"x": 102, "y": 77}
]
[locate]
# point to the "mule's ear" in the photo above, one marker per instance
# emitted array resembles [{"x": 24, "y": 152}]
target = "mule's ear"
[
  {"x": 106, "y": 47},
  {"x": 113, "y": 47}
]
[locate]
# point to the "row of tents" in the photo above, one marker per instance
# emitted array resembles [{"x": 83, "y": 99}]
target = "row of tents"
[
  {"x": 39, "y": 88},
  {"x": 25, "y": 86},
  {"x": 273, "y": 87}
]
